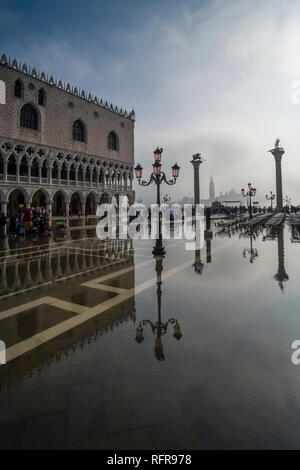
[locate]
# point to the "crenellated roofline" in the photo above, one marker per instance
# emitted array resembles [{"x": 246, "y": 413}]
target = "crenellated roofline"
[{"x": 44, "y": 78}]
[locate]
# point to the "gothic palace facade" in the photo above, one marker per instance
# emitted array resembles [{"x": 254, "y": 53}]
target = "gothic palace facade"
[{"x": 60, "y": 147}]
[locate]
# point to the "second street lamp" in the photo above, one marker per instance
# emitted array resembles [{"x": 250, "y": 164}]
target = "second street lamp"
[
  {"x": 158, "y": 177},
  {"x": 287, "y": 201},
  {"x": 250, "y": 193},
  {"x": 271, "y": 198}
]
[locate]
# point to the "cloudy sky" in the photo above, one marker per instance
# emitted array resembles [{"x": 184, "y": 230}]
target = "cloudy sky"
[{"x": 214, "y": 77}]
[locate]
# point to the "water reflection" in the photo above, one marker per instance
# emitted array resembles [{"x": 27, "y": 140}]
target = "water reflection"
[
  {"x": 36, "y": 264},
  {"x": 23, "y": 318},
  {"x": 281, "y": 275},
  {"x": 250, "y": 251},
  {"x": 277, "y": 233},
  {"x": 159, "y": 328},
  {"x": 295, "y": 238},
  {"x": 198, "y": 264}
]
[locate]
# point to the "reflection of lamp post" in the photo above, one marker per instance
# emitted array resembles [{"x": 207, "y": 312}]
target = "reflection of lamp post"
[
  {"x": 159, "y": 328},
  {"x": 198, "y": 265},
  {"x": 157, "y": 177},
  {"x": 250, "y": 251},
  {"x": 271, "y": 198},
  {"x": 250, "y": 193}
]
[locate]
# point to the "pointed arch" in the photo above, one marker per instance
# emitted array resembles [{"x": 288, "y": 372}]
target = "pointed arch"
[
  {"x": 64, "y": 171},
  {"x": 72, "y": 174},
  {"x": 11, "y": 165},
  {"x": 35, "y": 168},
  {"x": 23, "y": 170},
  {"x": 55, "y": 170}
]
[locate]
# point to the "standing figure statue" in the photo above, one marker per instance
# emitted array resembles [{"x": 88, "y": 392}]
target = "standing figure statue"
[{"x": 277, "y": 143}]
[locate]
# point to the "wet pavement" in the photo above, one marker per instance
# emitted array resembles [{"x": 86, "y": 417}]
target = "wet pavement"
[{"x": 89, "y": 366}]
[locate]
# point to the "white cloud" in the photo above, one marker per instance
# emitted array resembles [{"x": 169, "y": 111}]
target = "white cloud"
[{"x": 215, "y": 80}]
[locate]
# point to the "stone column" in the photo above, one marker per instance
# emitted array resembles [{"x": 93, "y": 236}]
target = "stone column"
[
  {"x": 49, "y": 174},
  {"x": 196, "y": 162},
  {"x": 4, "y": 210},
  {"x": 49, "y": 210},
  {"x": 277, "y": 153},
  {"x": 67, "y": 205},
  {"x": 18, "y": 172},
  {"x": 29, "y": 172},
  {"x": 83, "y": 213},
  {"x": 68, "y": 175},
  {"x": 5, "y": 170},
  {"x": 4, "y": 207},
  {"x": 40, "y": 173}
]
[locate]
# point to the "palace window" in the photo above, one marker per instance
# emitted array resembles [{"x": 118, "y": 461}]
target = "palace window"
[
  {"x": 29, "y": 117},
  {"x": 19, "y": 89},
  {"x": 42, "y": 97},
  {"x": 112, "y": 141},
  {"x": 79, "y": 131}
]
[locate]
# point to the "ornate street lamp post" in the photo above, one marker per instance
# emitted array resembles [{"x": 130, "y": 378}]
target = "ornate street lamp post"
[
  {"x": 271, "y": 198},
  {"x": 158, "y": 177},
  {"x": 159, "y": 328},
  {"x": 250, "y": 193}
]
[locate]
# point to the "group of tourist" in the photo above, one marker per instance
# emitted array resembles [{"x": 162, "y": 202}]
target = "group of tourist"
[{"x": 27, "y": 220}]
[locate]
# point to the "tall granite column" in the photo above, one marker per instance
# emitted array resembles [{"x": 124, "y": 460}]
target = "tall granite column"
[
  {"x": 196, "y": 162},
  {"x": 277, "y": 153}
]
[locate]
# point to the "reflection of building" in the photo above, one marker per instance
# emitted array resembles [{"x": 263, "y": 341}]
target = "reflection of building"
[
  {"x": 60, "y": 147},
  {"x": 78, "y": 265}
]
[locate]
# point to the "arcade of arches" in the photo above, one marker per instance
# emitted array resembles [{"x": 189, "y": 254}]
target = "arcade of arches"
[{"x": 60, "y": 204}]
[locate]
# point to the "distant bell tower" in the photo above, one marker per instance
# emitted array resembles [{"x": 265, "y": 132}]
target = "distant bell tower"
[{"x": 212, "y": 194}]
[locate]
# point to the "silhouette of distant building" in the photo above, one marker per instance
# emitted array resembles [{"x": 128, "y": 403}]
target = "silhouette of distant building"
[{"x": 212, "y": 189}]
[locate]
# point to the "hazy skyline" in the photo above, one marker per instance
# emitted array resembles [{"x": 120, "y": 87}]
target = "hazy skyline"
[{"x": 213, "y": 77}]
